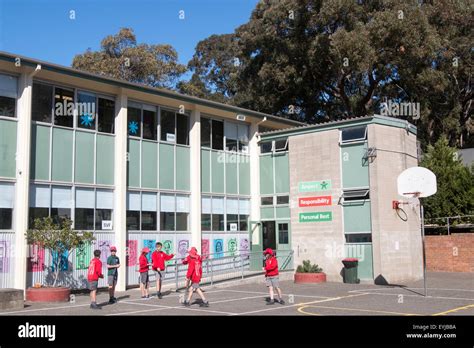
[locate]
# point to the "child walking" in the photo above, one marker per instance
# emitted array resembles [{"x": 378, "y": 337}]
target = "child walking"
[
  {"x": 271, "y": 276},
  {"x": 158, "y": 259},
  {"x": 144, "y": 267},
  {"x": 93, "y": 274},
  {"x": 194, "y": 273}
]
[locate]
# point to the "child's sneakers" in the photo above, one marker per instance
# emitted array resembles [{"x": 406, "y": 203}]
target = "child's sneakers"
[
  {"x": 147, "y": 297},
  {"x": 271, "y": 302},
  {"x": 95, "y": 306},
  {"x": 186, "y": 303},
  {"x": 159, "y": 295},
  {"x": 204, "y": 304},
  {"x": 281, "y": 302}
]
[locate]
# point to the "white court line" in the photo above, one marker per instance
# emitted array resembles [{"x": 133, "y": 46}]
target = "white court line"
[
  {"x": 266, "y": 293},
  {"x": 43, "y": 309},
  {"x": 419, "y": 296},
  {"x": 397, "y": 287}
]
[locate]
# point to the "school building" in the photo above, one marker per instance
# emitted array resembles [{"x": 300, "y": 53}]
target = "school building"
[{"x": 136, "y": 164}]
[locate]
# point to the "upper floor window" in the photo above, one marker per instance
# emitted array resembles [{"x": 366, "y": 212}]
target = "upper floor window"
[
  {"x": 174, "y": 127},
  {"x": 8, "y": 95},
  {"x": 220, "y": 135},
  {"x": 353, "y": 134}
]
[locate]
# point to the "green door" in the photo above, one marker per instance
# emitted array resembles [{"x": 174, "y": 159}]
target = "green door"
[
  {"x": 284, "y": 244},
  {"x": 256, "y": 245}
]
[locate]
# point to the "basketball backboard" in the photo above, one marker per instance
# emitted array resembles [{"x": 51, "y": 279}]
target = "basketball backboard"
[{"x": 417, "y": 181}]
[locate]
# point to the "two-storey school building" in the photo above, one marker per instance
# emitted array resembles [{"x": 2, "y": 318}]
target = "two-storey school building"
[{"x": 136, "y": 164}]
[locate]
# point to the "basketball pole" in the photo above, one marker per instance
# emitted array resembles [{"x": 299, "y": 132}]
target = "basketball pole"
[{"x": 423, "y": 243}]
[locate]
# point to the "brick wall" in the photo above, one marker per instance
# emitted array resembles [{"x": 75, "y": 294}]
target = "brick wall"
[{"x": 453, "y": 253}]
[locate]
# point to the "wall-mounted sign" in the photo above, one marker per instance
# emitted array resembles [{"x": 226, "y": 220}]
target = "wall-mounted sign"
[
  {"x": 233, "y": 227},
  {"x": 314, "y": 201},
  {"x": 316, "y": 216},
  {"x": 313, "y": 186},
  {"x": 106, "y": 224},
  {"x": 170, "y": 137}
]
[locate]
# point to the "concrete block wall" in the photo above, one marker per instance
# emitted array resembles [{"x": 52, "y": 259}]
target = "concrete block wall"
[
  {"x": 397, "y": 244},
  {"x": 316, "y": 157}
]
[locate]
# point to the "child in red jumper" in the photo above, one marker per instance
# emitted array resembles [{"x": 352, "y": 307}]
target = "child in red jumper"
[
  {"x": 271, "y": 276},
  {"x": 194, "y": 273},
  {"x": 158, "y": 259},
  {"x": 93, "y": 274},
  {"x": 144, "y": 266}
]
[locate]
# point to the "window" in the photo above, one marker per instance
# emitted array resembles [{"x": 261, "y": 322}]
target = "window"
[
  {"x": 167, "y": 212},
  {"x": 63, "y": 107},
  {"x": 42, "y": 104},
  {"x": 7, "y": 192},
  {"x": 282, "y": 233},
  {"x": 358, "y": 238},
  {"x": 86, "y": 110},
  {"x": 230, "y": 136},
  {"x": 182, "y": 129},
  {"x": 205, "y": 132},
  {"x": 84, "y": 211},
  {"x": 232, "y": 211},
  {"x": 104, "y": 207},
  {"x": 106, "y": 116},
  {"x": 39, "y": 203},
  {"x": 60, "y": 203},
  {"x": 281, "y": 145},
  {"x": 283, "y": 200},
  {"x": 150, "y": 124},
  {"x": 267, "y": 201},
  {"x": 243, "y": 137},
  {"x": 134, "y": 121},
  {"x": 206, "y": 213},
  {"x": 353, "y": 134},
  {"x": 266, "y": 147},
  {"x": 149, "y": 222},
  {"x": 355, "y": 195},
  {"x": 218, "y": 214},
  {"x": 8, "y": 95},
  {"x": 244, "y": 211},
  {"x": 217, "y": 135},
  {"x": 168, "y": 126},
  {"x": 133, "y": 211}
]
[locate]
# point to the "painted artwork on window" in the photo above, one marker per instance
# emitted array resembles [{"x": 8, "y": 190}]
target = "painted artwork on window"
[
  {"x": 150, "y": 244},
  {"x": 36, "y": 259},
  {"x": 205, "y": 248},
  {"x": 104, "y": 247},
  {"x": 63, "y": 261},
  {"x": 232, "y": 246},
  {"x": 132, "y": 252},
  {"x": 168, "y": 249},
  {"x": 244, "y": 247},
  {"x": 4, "y": 264},
  {"x": 183, "y": 247},
  {"x": 218, "y": 248},
  {"x": 83, "y": 256}
]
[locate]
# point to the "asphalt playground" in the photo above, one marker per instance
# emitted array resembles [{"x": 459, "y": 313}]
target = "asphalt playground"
[{"x": 447, "y": 294}]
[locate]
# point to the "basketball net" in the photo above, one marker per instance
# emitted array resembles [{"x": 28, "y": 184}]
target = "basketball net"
[{"x": 414, "y": 201}]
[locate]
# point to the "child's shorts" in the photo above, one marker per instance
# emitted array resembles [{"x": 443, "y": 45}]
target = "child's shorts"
[
  {"x": 144, "y": 278},
  {"x": 195, "y": 286},
  {"x": 93, "y": 285},
  {"x": 112, "y": 280},
  {"x": 272, "y": 281},
  {"x": 158, "y": 275}
]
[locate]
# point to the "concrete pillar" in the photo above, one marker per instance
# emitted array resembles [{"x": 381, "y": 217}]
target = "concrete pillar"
[
  {"x": 254, "y": 150},
  {"x": 25, "y": 90},
  {"x": 195, "y": 177},
  {"x": 120, "y": 181}
]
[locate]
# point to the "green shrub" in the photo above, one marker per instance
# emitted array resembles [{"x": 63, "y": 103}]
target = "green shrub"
[{"x": 307, "y": 267}]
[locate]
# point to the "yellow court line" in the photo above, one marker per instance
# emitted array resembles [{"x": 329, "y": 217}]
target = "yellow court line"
[
  {"x": 454, "y": 310},
  {"x": 330, "y": 299},
  {"x": 301, "y": 310}
]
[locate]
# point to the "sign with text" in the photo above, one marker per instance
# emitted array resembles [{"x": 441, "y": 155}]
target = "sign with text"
[
  {"x": 314, "y": 201},
  {"x": 313, "y": 186},
  {"x": 316, "y": 216},
  {"x": 106, "y": 224}
]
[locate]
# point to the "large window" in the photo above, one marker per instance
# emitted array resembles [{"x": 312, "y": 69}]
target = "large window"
[
  {"x": 217, "y": 135},
  {"x": 283, "y": 233},
  {"x": 86, "y": 110},
  {"x": 142, "y": 121},
  {"x": 134, "y": 121},
  {"x": 150, "y": 123},
  {"x": 205, "y": 132},
  {"x": 40, "y": 202},
  {"x": 63, "y": 107},
  {"x": 106, "y": 115},
  {"x": 236, "y": 137},
  {"x": 6, "y": 205},
  {"x": 42, "y": 105},
  {"x": 174, "y": 212},
  {"x": 61, "y": 203},
  {"x": 148, "y": 218},
  {"x": 174, "y": 127},
  {"x": 8, "y": 95},
  {"x": 133, "y": 211},
  {"x": 235, "y": 211},
  {"x": 94, "y": 209}
]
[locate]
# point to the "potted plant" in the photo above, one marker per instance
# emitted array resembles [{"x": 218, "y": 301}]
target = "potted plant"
[
  {"x": 308, "y": 273},
  {"x": 60, "y": 240}
]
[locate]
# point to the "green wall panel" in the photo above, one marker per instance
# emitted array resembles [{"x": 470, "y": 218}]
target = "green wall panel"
[
  {"x": 133, "y": 173},
  {"x": 244, "y": 175},
  {"x": 282, "y": 172},
  {"x": 7, "y": 148},
  {"x": 105, "y": 159},
  {"x": 149, "y": 164},
  {"x": 84, "y": 160},
  {"x": 267, "y": 213},
  {"x": 62, "y": 154},
  {"x": 183, "y": 168},
  {"x": 357, "y": 217},
  {"x": 217, "y": 170},
  {"x": 364, "y": 253},
  {"x": 205, "y": 171},
  {"x": 282, "y": 212},
  {"x": 166, "y": 166},
  {"x": 266, "y": 175},
  {"x": 231, "y": 173},
  {"x": 355, "y": 170},
  {"x": 40, "y": 152}
]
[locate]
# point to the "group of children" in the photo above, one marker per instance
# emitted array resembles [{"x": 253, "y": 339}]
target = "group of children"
[{"x": 158, "y": 258}]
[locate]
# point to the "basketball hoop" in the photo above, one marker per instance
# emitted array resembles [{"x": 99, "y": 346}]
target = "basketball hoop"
[{"x": 414, "y": 201}]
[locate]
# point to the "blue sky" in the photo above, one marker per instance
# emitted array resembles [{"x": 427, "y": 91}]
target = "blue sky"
[{"x": 42, "y": 29}]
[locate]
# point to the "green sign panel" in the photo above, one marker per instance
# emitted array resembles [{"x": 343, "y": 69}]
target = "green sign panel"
[
  {"x": 312, "y": 186},
  {"x": 316, "y": 216}
]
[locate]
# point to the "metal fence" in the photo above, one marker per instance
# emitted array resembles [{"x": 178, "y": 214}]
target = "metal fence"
[
  {"x": 224, "y": 266},
  {"x": 447, "y": 223}
]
